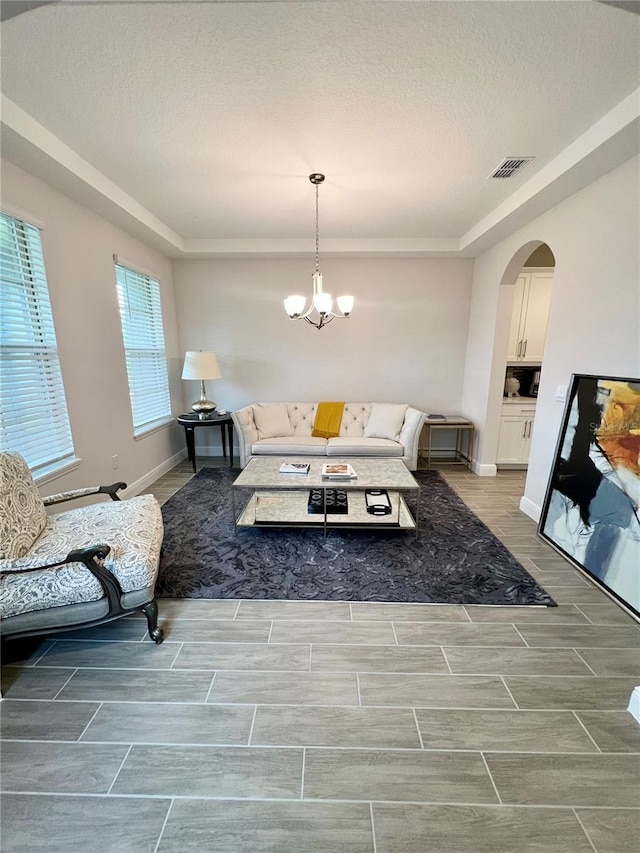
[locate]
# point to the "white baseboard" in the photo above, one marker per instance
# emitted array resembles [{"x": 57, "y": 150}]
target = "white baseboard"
[
  {"x": 484, "y": 470},
  {"x": 634, "y": 704},
  {"x": 140, "y": 484},
  {"x": 529, "y": 508}
]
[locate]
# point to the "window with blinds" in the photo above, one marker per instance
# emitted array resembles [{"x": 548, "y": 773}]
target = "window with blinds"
[
  {"x": 143, "y": 334},
  {"x": 33, "y": 410}
]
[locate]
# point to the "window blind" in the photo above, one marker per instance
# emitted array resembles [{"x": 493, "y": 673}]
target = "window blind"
[
  {"x": 33, "y": 411},
  {"x": 143, "y": 335}
]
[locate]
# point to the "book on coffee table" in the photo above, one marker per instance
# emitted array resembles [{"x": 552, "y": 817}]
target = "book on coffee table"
[
  {"x": 338, "y": 471},
  {"x": 294, "y": 468}
]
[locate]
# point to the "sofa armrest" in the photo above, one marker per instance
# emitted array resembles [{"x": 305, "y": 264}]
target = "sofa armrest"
[
  {"x": 410, "y": 434},
  {"x": 61, "y": 497},
  {"x": 246, "y": 431}
]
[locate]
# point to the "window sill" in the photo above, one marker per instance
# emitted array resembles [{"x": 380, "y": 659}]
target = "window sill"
[
  {"x": 154, "y": 427},
  {"x": 59, "y": 469}
]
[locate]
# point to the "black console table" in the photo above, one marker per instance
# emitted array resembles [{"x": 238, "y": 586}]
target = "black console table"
[{"x": 191, "y": 421}]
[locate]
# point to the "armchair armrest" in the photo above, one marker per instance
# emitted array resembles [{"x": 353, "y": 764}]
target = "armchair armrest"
[
  {"x": 89, "y": 557},
  {"x": 111, "y": 490},
  {"x": 36, "y": 563}
]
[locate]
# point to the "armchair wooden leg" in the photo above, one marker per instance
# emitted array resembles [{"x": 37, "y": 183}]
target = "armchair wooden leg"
[{"x": 150, "y": 610}]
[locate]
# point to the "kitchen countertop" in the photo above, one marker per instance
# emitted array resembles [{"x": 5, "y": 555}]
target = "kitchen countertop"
[{"x": 511, "y": 401}]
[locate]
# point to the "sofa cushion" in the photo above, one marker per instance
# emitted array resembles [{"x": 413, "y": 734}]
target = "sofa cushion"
[
  {"x": 385, "y": 421},
  {"x": 363, "y": 447},
  {"x": 272, "y": 420},
  {"x": 132, "y": 528},
  {"x": 301, "y": 417},
  {"x": 22, "y": 513},
  {"x": 305, "y": 444}
]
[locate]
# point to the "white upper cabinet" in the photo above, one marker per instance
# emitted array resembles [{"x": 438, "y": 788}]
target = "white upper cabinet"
[
  {"x": 531, "y": 301},
  {"x": 515, "y": 344}
]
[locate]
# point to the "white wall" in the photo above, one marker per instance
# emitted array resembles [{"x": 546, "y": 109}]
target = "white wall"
[
  {"x": 404, "y": 342},
  {"x": 78, "y": 252},
  {"x": 594, "y": 318}
]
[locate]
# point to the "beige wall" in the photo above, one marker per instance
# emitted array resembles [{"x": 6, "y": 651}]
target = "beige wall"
[
  {"x": 404, "y": 342},
  {"x": 78, "y": 251},
  {"x": 430, "y": 332},
  {"x": 594, "y": 318}
]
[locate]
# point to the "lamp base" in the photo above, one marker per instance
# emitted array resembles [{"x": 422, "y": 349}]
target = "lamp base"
[{"x": 203, "y": 406}]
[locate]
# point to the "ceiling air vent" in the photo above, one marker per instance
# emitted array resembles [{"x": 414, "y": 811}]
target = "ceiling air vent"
[{"x": 510, "y": 166}]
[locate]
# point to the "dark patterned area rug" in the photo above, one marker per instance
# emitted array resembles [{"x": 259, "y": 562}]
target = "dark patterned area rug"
[{"x": 455, "y": 559}]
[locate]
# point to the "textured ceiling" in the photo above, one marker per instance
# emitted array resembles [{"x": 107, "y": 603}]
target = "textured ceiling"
[{"x": 211, "y": 115}]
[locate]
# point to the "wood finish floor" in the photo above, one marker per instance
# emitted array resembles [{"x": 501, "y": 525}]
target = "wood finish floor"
[{"x": 282, "y": 727}]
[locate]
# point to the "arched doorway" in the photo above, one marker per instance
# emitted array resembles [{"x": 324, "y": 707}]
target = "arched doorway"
[{"x": 525, "y": 299}]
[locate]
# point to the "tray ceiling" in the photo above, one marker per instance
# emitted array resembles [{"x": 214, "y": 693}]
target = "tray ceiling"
[{"x": 201, "y": 121}]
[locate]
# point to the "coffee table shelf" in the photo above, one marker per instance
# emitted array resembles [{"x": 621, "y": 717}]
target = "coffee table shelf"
[{"x": 277, "y": 508}]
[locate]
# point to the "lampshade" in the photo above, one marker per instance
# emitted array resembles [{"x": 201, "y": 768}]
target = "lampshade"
[
  {"x": 294, "y": 305},
  {"x": 322, "y": 302},
  {"x": 345, "y": 304},
  {"x": 201, "y": 365}
]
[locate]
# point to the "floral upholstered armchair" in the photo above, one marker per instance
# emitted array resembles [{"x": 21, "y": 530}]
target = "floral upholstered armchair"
[{"x": 76, "y": 568}]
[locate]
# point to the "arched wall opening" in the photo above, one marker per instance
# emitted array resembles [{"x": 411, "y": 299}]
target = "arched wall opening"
[
  {"x": 525, "y": 254},
  {"x": 523, "y": 303}
]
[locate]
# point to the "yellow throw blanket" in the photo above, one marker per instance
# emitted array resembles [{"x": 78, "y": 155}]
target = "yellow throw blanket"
[{"x": 328, "y": 419}]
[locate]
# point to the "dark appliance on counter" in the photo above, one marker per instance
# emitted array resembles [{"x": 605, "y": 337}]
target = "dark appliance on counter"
[{"x": 535, "y": 384}]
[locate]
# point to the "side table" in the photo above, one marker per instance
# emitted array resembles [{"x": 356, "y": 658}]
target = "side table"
[
  {"x": 453, "y": 422},
  {"x": 191, "y": 421}
]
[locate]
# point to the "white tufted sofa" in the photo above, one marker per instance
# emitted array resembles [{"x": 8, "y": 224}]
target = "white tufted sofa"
[{"x": 352, "y": 441}]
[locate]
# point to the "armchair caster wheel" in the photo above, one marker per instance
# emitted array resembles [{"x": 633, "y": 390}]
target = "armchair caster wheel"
[{"x": 157, "y": 635}]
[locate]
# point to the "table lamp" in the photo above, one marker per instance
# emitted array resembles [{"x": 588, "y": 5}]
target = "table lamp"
[{"x": 201, "y": 365}]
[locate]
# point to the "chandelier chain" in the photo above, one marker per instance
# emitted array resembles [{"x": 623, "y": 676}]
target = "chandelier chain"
[{"x": 317, "y": 230}]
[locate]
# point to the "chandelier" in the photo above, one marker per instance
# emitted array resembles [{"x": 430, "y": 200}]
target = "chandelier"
[{"x": 321, "y": 309}]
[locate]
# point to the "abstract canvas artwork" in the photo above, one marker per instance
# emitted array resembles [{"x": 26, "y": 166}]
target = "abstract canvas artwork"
[{"x": 591, "y": 509}]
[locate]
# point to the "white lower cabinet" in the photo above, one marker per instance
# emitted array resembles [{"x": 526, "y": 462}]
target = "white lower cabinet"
[{"x": 516, "y": 427}]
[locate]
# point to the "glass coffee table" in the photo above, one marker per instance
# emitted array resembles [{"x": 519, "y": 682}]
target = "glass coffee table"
[{"x": 283, "y": 500}]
